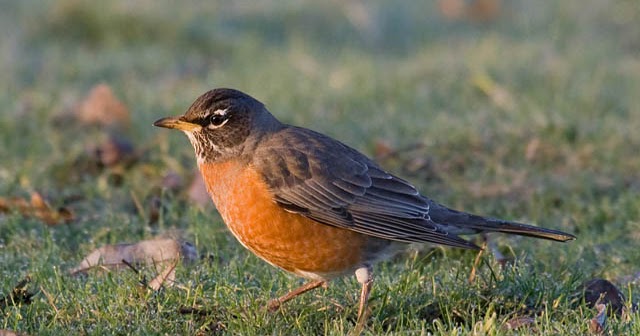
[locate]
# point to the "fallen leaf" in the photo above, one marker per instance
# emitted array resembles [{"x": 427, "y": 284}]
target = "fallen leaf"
[
  {"x": 362, "y": 17},
  {"x": 167, "y": 274},
  {"x": 519, "y": 322},
  {"x": 101, "y": 107},
  {"x": 115, "y": 150},
  {"x": 157, "y": 252},
  {"x": 601, "y": 291},
  {"x": 19, "y": 294},
  {"x": 484, "y": 10},
  {"x": 109, "y": 151},
  {"x": 382, "y": 149},
  {"x": 472, "y": 10},
  {"x": 452, "y": 9},
  {"x": 597, "y": 324},
  {"x": 5, "y": 332},
  {"x": 38, "y": 208}
]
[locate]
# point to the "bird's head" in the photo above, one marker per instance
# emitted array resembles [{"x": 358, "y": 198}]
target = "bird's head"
[{"x": 221, "y": 123}]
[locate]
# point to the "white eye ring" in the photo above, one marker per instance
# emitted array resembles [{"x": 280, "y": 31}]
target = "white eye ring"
[
  {"x": 217, "y": 114},
  {"x": 220, "y": 112}
]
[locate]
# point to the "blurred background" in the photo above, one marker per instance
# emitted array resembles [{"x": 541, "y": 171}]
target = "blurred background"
[
  {"x": 549, "y": 87},
  {"x": 527, "y": 110}
]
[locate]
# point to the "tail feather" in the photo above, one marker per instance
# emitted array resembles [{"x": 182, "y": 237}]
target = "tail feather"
[
  {"x": 459, "y": 222},
  {"x": 496, "y": 225}
]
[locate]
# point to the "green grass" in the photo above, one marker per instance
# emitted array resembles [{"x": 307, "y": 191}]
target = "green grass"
[{"x": 571, "y": 71}]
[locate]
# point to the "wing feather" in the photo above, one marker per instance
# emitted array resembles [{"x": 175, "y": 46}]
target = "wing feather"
[{"x": 333, "y": 184}]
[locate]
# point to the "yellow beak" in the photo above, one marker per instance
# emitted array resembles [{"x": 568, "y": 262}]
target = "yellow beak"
[{"x": 177, "y": 123}]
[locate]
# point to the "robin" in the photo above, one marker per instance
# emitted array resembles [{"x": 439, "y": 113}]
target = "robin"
[{"x": 310, "y": 204}]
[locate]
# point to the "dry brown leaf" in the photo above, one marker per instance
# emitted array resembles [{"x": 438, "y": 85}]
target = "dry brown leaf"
[
  {"x": 19, "y": 294},
  {"x": 484, "y": 10},
  {"x": 519, "y": 322},
  {"x": 198, "y": 191},
  {"x": 597, "y": 324},
  {"x": 101, "y": 107},
  {"x": 5, "y": 332},
  {"x": 157, "y": 252},
  {"x": 601, "y": 291},
  {"x": 474, "y": 10},
  {"x": 382, "y": 149},
  {"x": 168, "y": 274},
  {"x": 38, "y": 208},
  {"x": 115, "y": 150},
  {"x": 452, "y": 9},
  {"x": 362, "y": 17},
  {"x": 109, "y": 151}
]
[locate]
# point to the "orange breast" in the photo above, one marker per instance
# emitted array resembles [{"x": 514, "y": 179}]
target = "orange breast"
[{"x": 287, "y": 240}]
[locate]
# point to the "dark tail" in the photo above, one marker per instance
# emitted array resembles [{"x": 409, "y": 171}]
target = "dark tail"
[
  {"x": 464, "y": 223},
  {"x": 497, "y": 225}
]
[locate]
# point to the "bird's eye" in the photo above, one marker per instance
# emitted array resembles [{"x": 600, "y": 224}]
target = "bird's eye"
[{"x": 217, "y": 120}]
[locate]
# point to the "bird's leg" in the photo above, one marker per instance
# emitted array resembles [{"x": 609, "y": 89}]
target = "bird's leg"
[
  {"x": 274, "y": 304},
  {"x": 364, "y": 275}
]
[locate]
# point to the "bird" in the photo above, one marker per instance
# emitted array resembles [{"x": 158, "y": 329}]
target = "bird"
[{"x": 311, "y": 205}]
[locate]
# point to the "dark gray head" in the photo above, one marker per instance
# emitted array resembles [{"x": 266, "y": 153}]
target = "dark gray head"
[{"x": 221, "y": 122}]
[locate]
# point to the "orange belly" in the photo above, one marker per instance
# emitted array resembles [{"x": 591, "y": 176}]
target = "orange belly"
[{"x": 287, "y": 240}]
